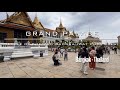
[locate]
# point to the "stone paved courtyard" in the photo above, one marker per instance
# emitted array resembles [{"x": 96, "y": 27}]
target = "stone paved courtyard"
[{"x": 42, "y": 67}]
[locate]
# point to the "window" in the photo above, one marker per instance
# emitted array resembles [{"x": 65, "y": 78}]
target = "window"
[{"x": 2, "y": 37}]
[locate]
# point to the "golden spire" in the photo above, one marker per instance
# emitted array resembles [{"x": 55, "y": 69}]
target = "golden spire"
[
  {"x": 74, "y": 33},
  {"x": 36, "y": 14},
  {"x": 7, "y": 16},
  {"x": 89, "y": 33},
  {"x": 36, "y": 20},
  {"x": 61, "y": 26},
  {"x": 37, "y": 23}
]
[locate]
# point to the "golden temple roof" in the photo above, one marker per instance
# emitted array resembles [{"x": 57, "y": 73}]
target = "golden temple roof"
[{"x": 37, "y": 23}]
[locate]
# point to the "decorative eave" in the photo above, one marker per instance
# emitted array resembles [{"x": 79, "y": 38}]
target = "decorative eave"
[
  {"x": 16, "y": 26},
  {"x": 93, "y": 39}
]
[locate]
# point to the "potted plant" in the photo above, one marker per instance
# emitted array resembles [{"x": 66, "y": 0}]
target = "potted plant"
[{"x": 1, "y": 57}]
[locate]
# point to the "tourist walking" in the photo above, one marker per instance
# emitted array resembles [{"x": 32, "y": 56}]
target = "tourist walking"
[
  {"x": 84, "y": 56},
  {"x": 101, "y": 51},
  {"x": 92, "y": 63},
  {"x": 65, "y": 55},
  {"x": 115, "y": 50},
  {"x": 108, "y": 50},
  {"x": 98, "y": 52},
  {"x": 61, "y": 52},
  {"x": 79, "y": 52}
]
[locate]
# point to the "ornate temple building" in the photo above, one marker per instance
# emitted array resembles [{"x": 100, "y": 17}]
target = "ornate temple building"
[
  {"x": 16, "y": 25},
  {"x": 91, "y": 39}
]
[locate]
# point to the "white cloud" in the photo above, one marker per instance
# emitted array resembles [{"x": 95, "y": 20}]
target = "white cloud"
[{"x": 106, "y": 23}]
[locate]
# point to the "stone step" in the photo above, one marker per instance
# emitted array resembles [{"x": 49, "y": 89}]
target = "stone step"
[
  {"x": 21, "y": 53},
  {"x": 22, "y": 50},
  {"x": 26, "y": 55}
]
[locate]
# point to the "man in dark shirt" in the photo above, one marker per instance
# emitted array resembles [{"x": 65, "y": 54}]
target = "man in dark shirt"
[
  {"x": 115, "y": 50},
  {"x": 84, "y": 54}
]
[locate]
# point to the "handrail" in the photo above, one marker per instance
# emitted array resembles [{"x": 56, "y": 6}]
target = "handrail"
[{"x": 14, "y": 44}]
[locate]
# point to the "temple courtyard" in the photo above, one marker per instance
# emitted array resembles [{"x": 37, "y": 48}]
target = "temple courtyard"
[{"x": 42, "y": 67}]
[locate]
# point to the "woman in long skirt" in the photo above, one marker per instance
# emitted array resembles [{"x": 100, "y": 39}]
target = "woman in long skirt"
[{"x": 92, "y": 53}]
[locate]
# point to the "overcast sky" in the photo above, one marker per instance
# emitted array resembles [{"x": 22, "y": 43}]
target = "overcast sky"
[{"x": 105, "y": 24}]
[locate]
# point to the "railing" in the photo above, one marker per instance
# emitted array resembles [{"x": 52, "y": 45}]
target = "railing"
[
  {"x": 7, "y": 44},
  {"x": 14, "y": 50},
  {"x": 20, "y": 45},
  {"x": 38, "y": 45}
]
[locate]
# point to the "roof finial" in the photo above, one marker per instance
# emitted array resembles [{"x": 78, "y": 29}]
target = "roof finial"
[
  {"x": 7, "y": 15},
  {"x": 36, "y": 14},
  {"x": 73, "y": 31},
  {"x": 60, "y": 21},
  {"x": 61, "y": 26},
  {"x": 89, "y": 33}
]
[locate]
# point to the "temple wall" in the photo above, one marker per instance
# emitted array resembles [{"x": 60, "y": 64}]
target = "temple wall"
[{"x": 10, "y": 33}]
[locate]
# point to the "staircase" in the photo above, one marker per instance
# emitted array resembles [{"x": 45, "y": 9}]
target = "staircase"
[{"x": 24, "y": 52}]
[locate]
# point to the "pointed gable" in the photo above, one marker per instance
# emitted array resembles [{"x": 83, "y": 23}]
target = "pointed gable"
[
  {"x": 37, "y": 23},
  {"x": 20, "y": 18}
]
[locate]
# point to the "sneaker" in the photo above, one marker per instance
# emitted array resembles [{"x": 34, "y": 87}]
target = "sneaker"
[{"x": 85, "y": 73}]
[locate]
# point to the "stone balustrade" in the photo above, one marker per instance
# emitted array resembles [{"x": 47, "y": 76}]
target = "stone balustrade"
[
  {"x": 31, "y": 45},
  {"x": 13, "y": 50}
]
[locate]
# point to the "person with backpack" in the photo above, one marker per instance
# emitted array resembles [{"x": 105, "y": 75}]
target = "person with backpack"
[{"x": 61, "y": 52}]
